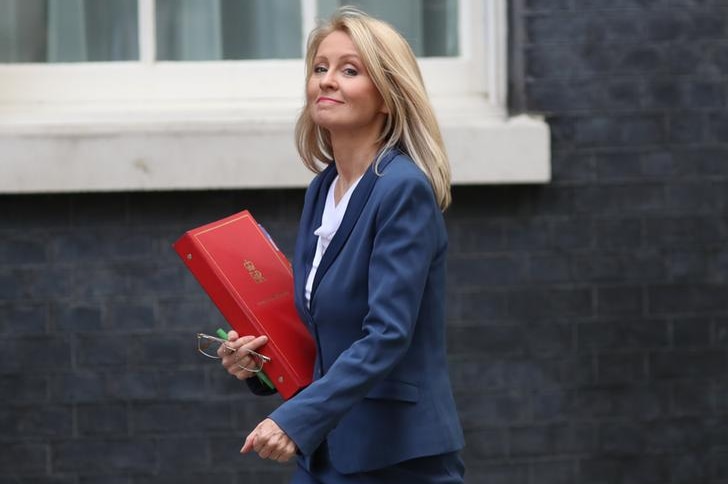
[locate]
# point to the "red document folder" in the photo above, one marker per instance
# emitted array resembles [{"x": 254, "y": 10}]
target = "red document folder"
[{"x": 251, "y": 283}]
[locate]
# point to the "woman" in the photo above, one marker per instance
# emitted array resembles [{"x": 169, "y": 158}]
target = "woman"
[{"x": 369, "y": 271}]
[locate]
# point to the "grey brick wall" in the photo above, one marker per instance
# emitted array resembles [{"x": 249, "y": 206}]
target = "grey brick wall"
[{"x": 588, "y": 317}]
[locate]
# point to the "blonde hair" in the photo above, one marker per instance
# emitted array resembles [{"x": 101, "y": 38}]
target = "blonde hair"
[{"x": 410, "y": 126}]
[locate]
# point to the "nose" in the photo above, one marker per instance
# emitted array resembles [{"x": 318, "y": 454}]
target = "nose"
[{"x": 327, "y": 80}]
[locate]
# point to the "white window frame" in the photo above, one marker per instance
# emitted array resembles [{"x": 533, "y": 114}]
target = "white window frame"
[{"x": 228, "y": 124}]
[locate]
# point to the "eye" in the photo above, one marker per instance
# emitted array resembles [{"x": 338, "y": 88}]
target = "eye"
[
  {"x": 350, "y": 71},
  {"x": 319, "y": 69}
]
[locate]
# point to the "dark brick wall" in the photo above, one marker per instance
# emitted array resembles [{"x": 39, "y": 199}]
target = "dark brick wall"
[{"x": 588, "y": 317}]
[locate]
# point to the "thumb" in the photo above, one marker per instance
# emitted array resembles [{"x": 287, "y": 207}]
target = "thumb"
[
  {"x": 249, "y": 442},
  {"x": 232, "y": 335}
]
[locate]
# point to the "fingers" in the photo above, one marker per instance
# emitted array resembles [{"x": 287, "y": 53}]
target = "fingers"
[
  {"x": 236, "y": 361},
  {"x": 270, "y": 442}
]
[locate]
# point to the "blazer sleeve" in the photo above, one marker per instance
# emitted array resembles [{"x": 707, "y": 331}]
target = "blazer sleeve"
[{"x": 405, "y": 242}]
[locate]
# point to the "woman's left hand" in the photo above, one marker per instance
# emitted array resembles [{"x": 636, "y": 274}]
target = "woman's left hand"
[{"x": 269, "y": 442}]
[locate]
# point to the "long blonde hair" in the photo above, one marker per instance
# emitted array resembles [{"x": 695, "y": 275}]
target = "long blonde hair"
[{"x": 411, "y": 125}]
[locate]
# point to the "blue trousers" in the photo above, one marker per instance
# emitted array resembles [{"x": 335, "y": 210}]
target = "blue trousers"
[{"x": 436, "y": 469}]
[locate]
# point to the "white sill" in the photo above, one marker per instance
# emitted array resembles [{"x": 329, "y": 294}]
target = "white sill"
[{"x": 188, "y": 147}]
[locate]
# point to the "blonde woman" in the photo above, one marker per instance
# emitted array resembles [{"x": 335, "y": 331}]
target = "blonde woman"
[{"x": 369, "y": 271}]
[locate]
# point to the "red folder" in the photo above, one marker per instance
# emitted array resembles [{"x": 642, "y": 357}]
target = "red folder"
[{"x": 251, "y": 283}]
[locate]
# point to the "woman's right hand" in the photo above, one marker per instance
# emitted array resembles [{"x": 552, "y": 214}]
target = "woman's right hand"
[{"x": 234, "y": 359}]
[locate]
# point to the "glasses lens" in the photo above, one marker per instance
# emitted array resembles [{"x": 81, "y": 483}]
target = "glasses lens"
[
  {"x": 208, "y": 347},
  {"x": 251, "y": 361}
]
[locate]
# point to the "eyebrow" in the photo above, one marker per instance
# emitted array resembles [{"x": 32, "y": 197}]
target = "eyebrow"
[{"x": 345, "y": 57}]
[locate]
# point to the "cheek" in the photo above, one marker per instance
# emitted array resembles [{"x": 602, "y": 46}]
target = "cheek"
[{"x": 311, "y": 89}]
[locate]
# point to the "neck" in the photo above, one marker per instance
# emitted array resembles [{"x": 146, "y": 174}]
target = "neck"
[{"x": 353, "y": 158}]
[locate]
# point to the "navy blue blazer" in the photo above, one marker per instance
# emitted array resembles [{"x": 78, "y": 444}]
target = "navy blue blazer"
[{"x": 381, "y": 392}]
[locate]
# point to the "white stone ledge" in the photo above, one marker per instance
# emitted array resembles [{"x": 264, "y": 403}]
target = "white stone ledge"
[{"x": 134, "y": 153}]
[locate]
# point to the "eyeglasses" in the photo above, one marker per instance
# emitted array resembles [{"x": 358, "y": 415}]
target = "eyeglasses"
[{"x": 211, "y": 346}]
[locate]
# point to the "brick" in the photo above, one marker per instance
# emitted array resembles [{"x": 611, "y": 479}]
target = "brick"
[
  {"x": 33, "y": 353},
  {"x": 485, "y": 271},
  {"x": 687, "y": 128},
  {"x": 98, "y": 209},
  {"x": 668, "y": 25},
  {"x": 682, "y": 231},
  {"x": 182, "y": 385},
  {"x": 484, "y": 444},
  {"x": 618, "y": 166},
  {"x": 484, "y": 410},
  {"x": 22, "y": 250},
  {"x": 554, "y": 439},
  {"x": 636, "y": 402},
  {"x": 134, "y": 385},
  {"x": 549, "y": 268},
  {"x": 196, "y": 476},
  {"x": 503, "y": 473},
  {"x": 96, "y": 455},
  {"x": 622, "y": 438},
  {"x": 571, "y": 167},
  {"x": 700, "y": 163},
  {"x": 78, "y": 386},
  {"x": 618, "y": 233},
  {"x": 105, "y": 420},
  {"x": 688, "y": 364},
  {"x": 148, "y": 351},
  {"x": 72, "y": 318},
  {"x": 92, "y": 284},
  {"x": 498, "y": 339},
  {"x": 476, "y": 237},
  {"x": 623, "y": 299},
  {"x": 23, "y": 388},
  {"x": 621, "y": 368},
  {"x": 28, "y": 422},
  {"x": 550, "y": 303},
  {"x": 130, "y": 316},
  {"x": 548, "y": 4},
  {"x": 37, "y": 283},
  {"x": 717, "y": 126},
  {"x": 179, "y": 418},
  {"x": 687, "y": 299},
  {"x": 644, "y": 469},
  {"x": 23, "y": 318},
  {"x": 197, "y": 314},
  {"x": 96, "y": 350},
  {"x": 578, "y": 96},
  {"x": 169, "y": 279},
  {"x": 180, "y": 455},
  {"x": 694, "y": 398},
  {"x": 477, "y": 305},
  {"x": 475, "y": 375},
  {"x": 687, "y": 266},
  {"x": 691, "y": 467},
  {"x": 676, "y": 435},
  {"x": 24, "y": 458},
  {"x": 628, "y": 266},
  {"x": 692, "y": 333},
  {"x": 554, "y": 472},
  {"x": 622, "y": 200},
  {"x": 46, "y": 211},
  {"x": 527, "y": 234},
  {"x": 622, "y": 335},
  {"x": 574, "y": 233}
]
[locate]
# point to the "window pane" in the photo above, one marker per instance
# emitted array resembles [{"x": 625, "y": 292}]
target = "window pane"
[
  {"x": 68, "y": 30},
  {"x": 228, "y": 29},
  {"x": 430, "y": 26}
]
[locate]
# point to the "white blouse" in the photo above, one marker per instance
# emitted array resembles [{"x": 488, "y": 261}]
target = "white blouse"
[{"x": 330, "y": 222}]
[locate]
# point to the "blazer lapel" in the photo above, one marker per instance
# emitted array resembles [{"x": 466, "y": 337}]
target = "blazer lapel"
[
  {"x": 312, "y": 222},
  {"x": 356, "y": 204}
]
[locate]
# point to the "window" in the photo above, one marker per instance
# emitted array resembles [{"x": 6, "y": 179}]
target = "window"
[{"x": 213, "y": 79}]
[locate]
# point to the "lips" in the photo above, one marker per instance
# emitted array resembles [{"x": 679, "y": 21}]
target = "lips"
[{"x": 328, "y": 100}]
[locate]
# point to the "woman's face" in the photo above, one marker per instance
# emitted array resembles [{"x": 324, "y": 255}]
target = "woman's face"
[{"x": 340, "y": 93}]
